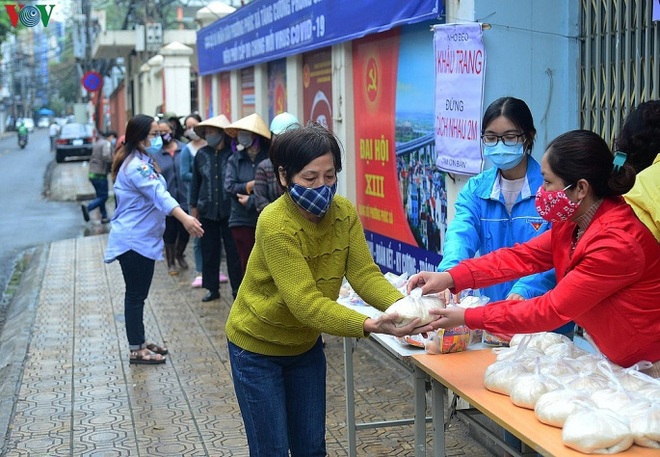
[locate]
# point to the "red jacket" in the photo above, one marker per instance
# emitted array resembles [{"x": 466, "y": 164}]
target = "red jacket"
[{"x": 610, "y": 284}]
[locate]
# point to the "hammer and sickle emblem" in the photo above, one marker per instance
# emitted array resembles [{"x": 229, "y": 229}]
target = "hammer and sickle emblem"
[{"x": 373, "y": 82}]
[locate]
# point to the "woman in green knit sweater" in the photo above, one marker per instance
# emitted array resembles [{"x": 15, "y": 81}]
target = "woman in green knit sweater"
[{"x": 307, "y": 241}]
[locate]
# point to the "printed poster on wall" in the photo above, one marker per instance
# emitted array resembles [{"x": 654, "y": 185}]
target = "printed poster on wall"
[
  {"x": 247, "y": 92},
  {"x": 460, "y": 63},
  {"x": 317, "y": 87},
  {"x": 224, "y": 95},
  {"x": 399, "y": 188},
  {"x": 208, "y": 89},
  {"x": 276, "y": 87}
]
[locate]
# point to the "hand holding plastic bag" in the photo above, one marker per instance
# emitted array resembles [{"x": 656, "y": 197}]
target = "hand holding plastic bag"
[{"x": 414, "y": 306}]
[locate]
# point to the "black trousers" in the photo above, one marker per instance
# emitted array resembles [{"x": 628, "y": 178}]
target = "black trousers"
[
  {"x": 217, "y": 233},
  {"x": 138, "y": 271}
]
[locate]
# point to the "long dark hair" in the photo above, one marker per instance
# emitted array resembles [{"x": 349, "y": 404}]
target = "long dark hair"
[
  {"x": 517, "y": 112},
  {"x": 640, "y": 135},
  {"x": 195, "y": 116},
  {"x": 581, "y": 154},
  {"x": 137, "y": 131},
  {"x": 294, "y": 149}
]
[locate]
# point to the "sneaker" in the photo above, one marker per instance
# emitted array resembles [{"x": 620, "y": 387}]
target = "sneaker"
[
  {"x": 197, "y": 282},
  {"x": 105, "y": 220},
  {"x": 85, "y": 212},
  {"x": 223, "y": 277}
]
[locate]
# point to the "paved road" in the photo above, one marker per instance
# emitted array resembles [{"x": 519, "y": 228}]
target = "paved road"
[{"x": 28, "y": 217}]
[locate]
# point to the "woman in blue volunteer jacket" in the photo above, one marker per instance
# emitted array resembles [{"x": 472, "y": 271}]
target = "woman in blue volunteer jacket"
[{"x": 496, "y": 209}]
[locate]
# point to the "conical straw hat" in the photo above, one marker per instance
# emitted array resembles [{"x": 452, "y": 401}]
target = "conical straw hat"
[
  {"x": 252, "y": 123},
  {"x": 219, "y": 121}
]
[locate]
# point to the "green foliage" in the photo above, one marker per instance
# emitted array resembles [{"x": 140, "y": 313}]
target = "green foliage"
[{"x": 5, "y": 26}]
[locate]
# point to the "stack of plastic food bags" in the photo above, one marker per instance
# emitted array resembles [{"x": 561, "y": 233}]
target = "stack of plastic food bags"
[{"x": 601, "y": 407}]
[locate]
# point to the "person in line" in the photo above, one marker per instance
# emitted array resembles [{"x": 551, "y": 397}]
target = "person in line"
[
  {"x": 168, "y": 157},
  {"x": 639, "y": 138},
  {"x": 100, "y": 164},
  {"x": 307, "y": 241},
  {"x": 266, "y": 183},
  {"x": 250, "y": 143},
  {"x": 607, "y": 262},
  {"x": 53, "y": 131},
  {"x": 136, "y": 236},
  {"x": 210, "y": 204},
  {"x": 175, "y": 124},
  {"x": 187, "y": 157}
]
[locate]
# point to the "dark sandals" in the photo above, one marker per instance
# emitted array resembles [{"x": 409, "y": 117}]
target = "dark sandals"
[
  {"x": 150, "y": 359},
  {"x": 157, "y": 349}
]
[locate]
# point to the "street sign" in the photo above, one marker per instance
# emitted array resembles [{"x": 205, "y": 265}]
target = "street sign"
[{"x": 92, "y": 81}]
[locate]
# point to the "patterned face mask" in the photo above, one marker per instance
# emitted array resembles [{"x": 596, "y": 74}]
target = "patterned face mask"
[
  {"x": 555, "y": 206},
  {"x": 315, "y": 200}
]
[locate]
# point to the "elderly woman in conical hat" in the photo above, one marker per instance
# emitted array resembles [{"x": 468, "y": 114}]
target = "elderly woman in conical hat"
[
  {"x": 211, "y": 205},
  {"x": 250, "y": 141}
]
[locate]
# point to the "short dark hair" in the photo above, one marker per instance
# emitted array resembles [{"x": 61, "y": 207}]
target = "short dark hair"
[
  {"x": 639, "y": 137},
  {"x": 294, "y": 149},
  {"x": 110, "y": 133},
  {"x": 581, "y": 154},
  {"x": 515, "y": 110}
]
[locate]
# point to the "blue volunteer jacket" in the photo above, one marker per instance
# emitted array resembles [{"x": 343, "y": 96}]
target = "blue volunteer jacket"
[{"x": 482, "y": 224}]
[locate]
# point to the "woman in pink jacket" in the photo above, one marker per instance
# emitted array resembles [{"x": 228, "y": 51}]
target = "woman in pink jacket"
[{"x": 607, "y": 262}]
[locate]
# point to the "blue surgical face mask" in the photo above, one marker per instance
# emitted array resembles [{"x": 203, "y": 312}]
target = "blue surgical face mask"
[
  {"x": 156, "y": 144},
  {"x": 315, "y": 200},
  {"x": 505, "y": 157}
]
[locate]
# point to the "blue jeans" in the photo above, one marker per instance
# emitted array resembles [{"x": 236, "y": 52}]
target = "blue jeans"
[
  {"x": 282, "y": 401},
  {"x": 138, "y": 271},
  {"x": 101, "y": 188}
]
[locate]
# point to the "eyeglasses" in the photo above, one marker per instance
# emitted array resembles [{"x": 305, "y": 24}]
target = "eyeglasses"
[{"x": 509, "y": 139}]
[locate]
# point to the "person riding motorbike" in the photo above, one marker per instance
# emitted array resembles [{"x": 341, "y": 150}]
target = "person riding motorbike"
[{"x": 22, "y": 134}]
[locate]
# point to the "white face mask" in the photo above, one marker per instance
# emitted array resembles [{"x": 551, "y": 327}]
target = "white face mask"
[{"x": 190, "y": 133}]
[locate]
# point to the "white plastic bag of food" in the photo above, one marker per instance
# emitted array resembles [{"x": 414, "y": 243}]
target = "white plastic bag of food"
[
  {"x": 597, "y": 431},
  {"x": 645, "y": 427},
  {"x": 554, "y": 407},
  {"x": 500, "y": 376},
  {"x": 529, "y": 387},
  {"x": 414, "y": 306}
]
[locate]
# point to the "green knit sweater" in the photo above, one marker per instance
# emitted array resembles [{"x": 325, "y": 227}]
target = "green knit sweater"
[{"x": 289, "y": 292}]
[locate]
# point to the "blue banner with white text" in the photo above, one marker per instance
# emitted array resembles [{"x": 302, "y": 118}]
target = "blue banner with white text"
[
  {"x": 266, "y": 30},
  {"x": 397, "y": 257}
]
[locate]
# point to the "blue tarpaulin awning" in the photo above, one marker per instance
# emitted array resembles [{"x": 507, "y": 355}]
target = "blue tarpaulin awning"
[{"x": 45, "y": 112}]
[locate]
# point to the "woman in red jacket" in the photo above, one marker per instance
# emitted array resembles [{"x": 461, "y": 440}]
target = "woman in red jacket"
[{"x": 607, "y": 262}]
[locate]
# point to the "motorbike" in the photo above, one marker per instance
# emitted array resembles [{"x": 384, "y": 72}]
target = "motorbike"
[{"x": 22, "y": 141}]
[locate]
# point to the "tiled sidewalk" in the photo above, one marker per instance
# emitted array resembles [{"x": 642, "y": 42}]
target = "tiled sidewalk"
[{"x": 79, "y": 396}]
